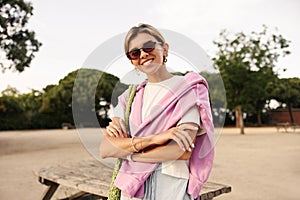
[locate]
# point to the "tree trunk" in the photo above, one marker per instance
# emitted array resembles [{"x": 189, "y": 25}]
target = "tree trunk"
[
  {"x": 290, "y": 108},
  {"x": 239, "y": 118},
  {"x": 259, "y": 122}
]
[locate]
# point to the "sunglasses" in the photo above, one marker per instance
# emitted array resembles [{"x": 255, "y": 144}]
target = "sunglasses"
[{"x": 147, "y": 48}]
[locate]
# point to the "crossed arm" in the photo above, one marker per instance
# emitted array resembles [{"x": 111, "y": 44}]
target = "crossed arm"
[{"x": 173, "y": 144}]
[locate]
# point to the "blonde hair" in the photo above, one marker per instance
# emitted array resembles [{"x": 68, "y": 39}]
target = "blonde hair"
[{"x": 142, "y": 28}]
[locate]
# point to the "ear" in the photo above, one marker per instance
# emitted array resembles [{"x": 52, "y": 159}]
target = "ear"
[{"x": 166, "y": 49}]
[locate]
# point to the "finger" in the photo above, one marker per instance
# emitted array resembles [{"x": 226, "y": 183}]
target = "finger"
[
  {"x": 185, "y": 139},
  {"x": 113, "y": 132},
  {"x": 119, "y": 125},
  {"x": 123, "y": 127},
  {"x": 179, "y": 142},
  {"x": 191, "y": 127},
  {"x": 109, "y": 132},
  {"x": 116, "y": 128},
  {"x": 187, "y": 136},
  {"x": 115, "y": 123}
]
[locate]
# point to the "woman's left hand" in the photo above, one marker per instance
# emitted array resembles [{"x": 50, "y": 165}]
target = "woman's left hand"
[
  {"x": 183, "y": 135},
  {"x": 116, "y": 128}
]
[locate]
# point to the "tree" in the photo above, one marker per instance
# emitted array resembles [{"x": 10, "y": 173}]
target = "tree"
[
  {"x": 94, "y": 92},
  {"x": 286, "y": 91},
  {"x": 10, "y": 109},
  {"x": 247, "y": 64},
  {"x": 18, "y": 111},
  {"x": 217, "y": 96},
  {"x": 30, "y": 103},
  {"x": 92, "y": 86},
  {"x": 17, "y": 43}
]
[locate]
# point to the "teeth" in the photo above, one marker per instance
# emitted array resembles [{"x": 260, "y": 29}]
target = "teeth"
[{"x": 148, "y": 61}]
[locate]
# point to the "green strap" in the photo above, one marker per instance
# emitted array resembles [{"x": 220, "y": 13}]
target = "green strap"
[
  {"x": 114, "y": 192},
  {"x": 131, "y": 94}
]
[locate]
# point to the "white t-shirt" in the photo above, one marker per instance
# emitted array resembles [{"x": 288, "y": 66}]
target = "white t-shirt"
[{"x": 153, "y": 93}]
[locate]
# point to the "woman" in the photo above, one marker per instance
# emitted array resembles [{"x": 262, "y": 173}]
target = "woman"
[{"x": 168, "y": 152}]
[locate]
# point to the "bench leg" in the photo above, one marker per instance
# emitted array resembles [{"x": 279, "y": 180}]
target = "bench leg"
[
  {"x": 51, "y": 190},
  {"x": 84, "y": 196}
]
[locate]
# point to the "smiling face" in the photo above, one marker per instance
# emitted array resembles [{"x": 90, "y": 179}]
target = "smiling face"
[{"x": 151, "y": 63}]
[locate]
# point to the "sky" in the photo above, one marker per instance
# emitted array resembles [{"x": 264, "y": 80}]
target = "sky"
[{"x": 70, "y": 30}]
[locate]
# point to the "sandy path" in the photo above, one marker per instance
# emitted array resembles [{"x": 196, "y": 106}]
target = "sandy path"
[
  {"x": 262, "y": 164},
  {"x": 23, "y": 152}
]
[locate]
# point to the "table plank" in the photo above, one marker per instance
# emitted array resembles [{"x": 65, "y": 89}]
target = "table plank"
[{"x": 91, "y": 176}]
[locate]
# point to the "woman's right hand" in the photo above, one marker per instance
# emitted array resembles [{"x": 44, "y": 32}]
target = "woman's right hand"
[
  {"x": 117, "y": 128},
  {"x": 180, "y": 134}
]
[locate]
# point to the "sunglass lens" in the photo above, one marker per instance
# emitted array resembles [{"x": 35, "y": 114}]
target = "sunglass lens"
[
  {"x": 148, "y": 47},
  {"x": 135, "y": 54}
]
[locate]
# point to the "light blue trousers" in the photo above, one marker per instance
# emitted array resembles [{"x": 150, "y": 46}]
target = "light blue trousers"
[{"x": 164, "y": 187}]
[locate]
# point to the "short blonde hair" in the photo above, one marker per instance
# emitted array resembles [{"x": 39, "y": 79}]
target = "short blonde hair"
[{"x": 142, "y": 28}]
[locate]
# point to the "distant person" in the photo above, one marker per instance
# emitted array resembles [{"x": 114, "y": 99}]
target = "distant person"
[{"x": 168, "y": 152}]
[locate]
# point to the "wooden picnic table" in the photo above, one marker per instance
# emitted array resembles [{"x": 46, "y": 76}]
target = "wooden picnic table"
[
  {"x": 287, "y": 125},
  {"x": 92, "y": 178}
]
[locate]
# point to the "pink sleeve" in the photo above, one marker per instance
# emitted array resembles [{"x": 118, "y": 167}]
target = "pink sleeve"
[{"x": 201, "y": 161}]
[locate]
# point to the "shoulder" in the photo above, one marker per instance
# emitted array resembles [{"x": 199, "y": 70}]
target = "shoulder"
[{"x": 195, "y": 78}]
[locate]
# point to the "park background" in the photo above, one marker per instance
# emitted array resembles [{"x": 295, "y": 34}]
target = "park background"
[{"x": 39, "y": 97}]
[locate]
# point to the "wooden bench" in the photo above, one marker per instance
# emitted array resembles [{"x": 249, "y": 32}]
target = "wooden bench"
[
  {"x": 93, "y": 178},
  {"x": 295, "y": 126},
  {"x": 286, "y": 126}
]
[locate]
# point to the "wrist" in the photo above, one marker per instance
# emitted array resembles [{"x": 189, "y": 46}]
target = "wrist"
[
  {"x": 133, "y": 145},
  {"x": 129, "y": 157},
  {"x": 149, "y": 140},
  {"x": 157, "y": 139}
]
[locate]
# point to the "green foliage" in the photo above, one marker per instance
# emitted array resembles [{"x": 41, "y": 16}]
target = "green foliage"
[
  {"x": 53, "y": 106},
  {"x": 247, "y": 65},
  {"x": 17, "y": 43},
  {"x": 17, "y": 111},
  {"x": 217, "y": 96},
  {"x": 92, "y": 86},
  {"x": 286, "y": 91}
]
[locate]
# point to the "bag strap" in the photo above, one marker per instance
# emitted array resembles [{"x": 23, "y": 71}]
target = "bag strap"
[
  {"x": 114, "y": 192},
  {"x": 130, "y": 97}
]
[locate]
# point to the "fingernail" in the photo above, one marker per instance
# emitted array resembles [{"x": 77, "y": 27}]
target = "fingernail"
[
  {"x": 195, "y": 128},
  {"x": 183, "y": 149},
  {"x": 193, "y": 146},
  {"x": 190, "y": 149}
]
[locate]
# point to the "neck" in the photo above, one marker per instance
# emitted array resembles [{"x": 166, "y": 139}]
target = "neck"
[{"x": 159, "y": 76}]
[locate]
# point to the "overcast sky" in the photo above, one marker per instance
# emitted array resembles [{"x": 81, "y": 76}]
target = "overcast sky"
[{"x": 71, "y": 29}]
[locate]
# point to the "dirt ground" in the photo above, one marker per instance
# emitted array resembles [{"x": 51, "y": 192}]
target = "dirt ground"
[{"x": 262, "y": 164}]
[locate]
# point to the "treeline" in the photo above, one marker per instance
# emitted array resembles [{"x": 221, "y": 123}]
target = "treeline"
[
  {"x": 92, "y": 92},
  {"x": 255, "y": 97},
  {"x": 52, "y": 107}
]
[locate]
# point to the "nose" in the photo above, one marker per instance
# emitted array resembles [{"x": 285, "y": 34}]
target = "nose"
[{"x": 143, "y": 54}]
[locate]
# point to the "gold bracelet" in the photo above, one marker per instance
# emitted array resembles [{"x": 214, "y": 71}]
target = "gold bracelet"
[{"x": 133, "y": 145}]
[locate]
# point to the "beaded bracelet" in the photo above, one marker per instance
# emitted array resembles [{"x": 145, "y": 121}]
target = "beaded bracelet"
[{"x": 133, "y": 145}]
